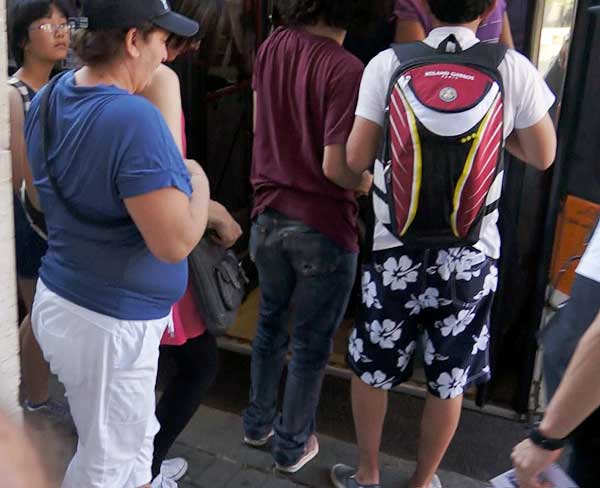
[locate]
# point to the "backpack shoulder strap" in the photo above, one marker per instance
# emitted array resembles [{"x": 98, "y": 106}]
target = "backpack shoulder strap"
[
  {"x": 482, "y": 53},
  {"x": 487, "y": 54},
  {"x": 23, "y": 91},
  {"x": 409, "y": 51},
  {"x": 44, "y": 137}
]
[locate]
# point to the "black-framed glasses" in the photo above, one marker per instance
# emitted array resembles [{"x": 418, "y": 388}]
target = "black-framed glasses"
[{"x": 48, "y": 28}]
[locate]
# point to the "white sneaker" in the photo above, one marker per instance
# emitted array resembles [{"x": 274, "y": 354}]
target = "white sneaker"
[
  {"x": 161, "y": 482},
  {"x": 310, "y": 451},
  {"x": 174, "y": 468},
  {"x": 435, "y": 482}
]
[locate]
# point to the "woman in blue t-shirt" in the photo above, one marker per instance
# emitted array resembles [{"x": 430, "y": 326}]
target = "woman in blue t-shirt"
[{"x": 123, "y": 211}]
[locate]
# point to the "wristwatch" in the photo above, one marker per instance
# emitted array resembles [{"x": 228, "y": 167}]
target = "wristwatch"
[{"x": 544, "y": 442}]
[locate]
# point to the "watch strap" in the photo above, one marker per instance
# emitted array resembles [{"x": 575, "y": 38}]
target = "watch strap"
[{"x": 544, "y": 442}]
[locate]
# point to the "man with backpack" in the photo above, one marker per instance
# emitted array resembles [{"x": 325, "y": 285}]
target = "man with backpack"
[{"x": 445, "y": 108}]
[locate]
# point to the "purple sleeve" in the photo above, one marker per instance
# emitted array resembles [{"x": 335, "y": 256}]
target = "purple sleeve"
[
  {"x": 412, "y": 10},
  {"x": 341, "y": 102},
  {"x": 490, "y": 29}
]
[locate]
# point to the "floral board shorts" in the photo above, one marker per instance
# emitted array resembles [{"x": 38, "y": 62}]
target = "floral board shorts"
[{"x": 439, "y": 298}]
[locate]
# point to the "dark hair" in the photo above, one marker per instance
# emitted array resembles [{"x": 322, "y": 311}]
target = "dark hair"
[
  {"x": 458, "y": 11},
  {"x": 98, "y": 47},
  {"x": 205, "y": 12},
  {"x": 343, "y": 14},
  {"x": 23, "y": 13}
]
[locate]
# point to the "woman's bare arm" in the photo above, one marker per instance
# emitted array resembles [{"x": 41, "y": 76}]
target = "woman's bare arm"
[
  {"x": 165, "y": 93},
  {"x": 409, "y": 31}
]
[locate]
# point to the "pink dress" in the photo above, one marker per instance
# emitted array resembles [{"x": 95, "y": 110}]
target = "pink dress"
[{"x": 186, "y": 317}]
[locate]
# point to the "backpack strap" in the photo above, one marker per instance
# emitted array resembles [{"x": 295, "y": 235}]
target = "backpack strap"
[
  {"x": 409, "y": 51},
  {"x": 23, "y": 90},
  {"x": 446, "y": 43},
  {"x": 485, "y": 54},
  {"x": 43, "y": 121}
]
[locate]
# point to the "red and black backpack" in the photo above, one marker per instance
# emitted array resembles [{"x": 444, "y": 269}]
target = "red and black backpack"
[{"x": 443, "y": 143}]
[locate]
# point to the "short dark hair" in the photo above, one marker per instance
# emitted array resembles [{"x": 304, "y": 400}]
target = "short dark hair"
[
  {"x": 458, "y": 11},
  {"x": 23, "y": 13},
  {"x": 343, "y": 14},
  {"x": 99, "y": 47}
]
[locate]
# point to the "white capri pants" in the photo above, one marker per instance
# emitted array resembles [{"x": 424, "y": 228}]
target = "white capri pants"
[{"x": 108, "y": 367}]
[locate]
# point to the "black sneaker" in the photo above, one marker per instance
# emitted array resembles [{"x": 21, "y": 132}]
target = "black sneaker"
[{"x": 343, "y": 476}]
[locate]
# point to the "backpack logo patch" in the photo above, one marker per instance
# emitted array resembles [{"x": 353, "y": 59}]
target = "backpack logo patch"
[{"x": 448, "y": 94}]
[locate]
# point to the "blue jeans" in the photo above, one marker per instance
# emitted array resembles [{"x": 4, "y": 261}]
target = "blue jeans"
[
  {"x": 302, "y": 271},
  {"x": 560, "y": 340}
]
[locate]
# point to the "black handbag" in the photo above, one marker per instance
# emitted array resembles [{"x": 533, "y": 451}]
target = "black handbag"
[{"x": 218, "y": 284}]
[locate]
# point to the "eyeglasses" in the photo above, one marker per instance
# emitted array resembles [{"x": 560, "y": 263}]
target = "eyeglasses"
[{"x": 53, "y": 28}]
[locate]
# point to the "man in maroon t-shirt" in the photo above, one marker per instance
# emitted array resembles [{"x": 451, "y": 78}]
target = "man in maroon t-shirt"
[{"x": 304, "y": 238}]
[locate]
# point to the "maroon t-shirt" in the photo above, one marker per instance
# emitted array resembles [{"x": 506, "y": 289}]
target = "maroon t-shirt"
[{"x": 306, "y": 88}]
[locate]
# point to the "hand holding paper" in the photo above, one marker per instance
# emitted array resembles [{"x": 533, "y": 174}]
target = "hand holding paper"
[{"x": 552, "y": 477}]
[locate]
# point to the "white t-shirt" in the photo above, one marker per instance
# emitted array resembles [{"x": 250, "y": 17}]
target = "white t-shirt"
[
  {"x": 527, "y": 99},
  {"x": 589, "y": 266}
]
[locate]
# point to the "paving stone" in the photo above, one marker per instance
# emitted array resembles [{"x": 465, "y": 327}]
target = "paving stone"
[
  {"x": 274, "y": 482},
  {"x": 248, "y": 478},
  {"x": 218, "y": 474},
  {"x": 198, "y": 461}
]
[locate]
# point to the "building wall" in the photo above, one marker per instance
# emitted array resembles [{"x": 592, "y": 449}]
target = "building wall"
[{"x": 10, "y": 375}]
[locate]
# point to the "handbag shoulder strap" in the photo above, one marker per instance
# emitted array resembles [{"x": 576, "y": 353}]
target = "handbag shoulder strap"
[
  {"x": 24, "y": 91},
  {"x": 45, "y": 94}
]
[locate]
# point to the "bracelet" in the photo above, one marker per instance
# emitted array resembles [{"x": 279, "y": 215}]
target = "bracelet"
[{"x": 544, "y": 442}]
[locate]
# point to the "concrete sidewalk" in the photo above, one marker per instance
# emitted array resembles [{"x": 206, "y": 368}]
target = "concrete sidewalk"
[{"x": 212, "y": 443}]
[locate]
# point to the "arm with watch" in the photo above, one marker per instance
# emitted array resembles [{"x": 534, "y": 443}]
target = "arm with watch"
[{"x": 576, "y": 398}]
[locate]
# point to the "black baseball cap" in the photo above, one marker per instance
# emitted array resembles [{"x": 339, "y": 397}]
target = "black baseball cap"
[{"x": 124, "y": 14}]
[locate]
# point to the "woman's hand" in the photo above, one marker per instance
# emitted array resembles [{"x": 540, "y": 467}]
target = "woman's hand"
[{"x": 227, "y": 230}]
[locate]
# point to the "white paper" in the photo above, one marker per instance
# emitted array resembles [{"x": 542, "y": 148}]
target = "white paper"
[{"x": 554, "y": 474}]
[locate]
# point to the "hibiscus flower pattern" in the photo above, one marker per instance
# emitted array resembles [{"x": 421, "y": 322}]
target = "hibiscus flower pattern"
[
  {"x": 405, "y": 355},
  {"x": 481, "y": 342},
  {"x": 356, "y": 347},
  {"x": 451, "y": 385},
  {"x": 490, "y": 284},
  {"x": 456, "y": 325},
  {"x": 439, "y": 304},
  {"x": 369, "y": 291},
  {"x": 429, "y": 299},
  {"x": 378, "y": 379},
  {"x": 430, "y": 355},
  {"x": 398, "y": 273},
  {"x": 385, "y": 334},
  {"x": 462, "y": 261}
]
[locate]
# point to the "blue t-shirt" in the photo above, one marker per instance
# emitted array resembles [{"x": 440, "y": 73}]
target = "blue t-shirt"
[{"x": 105, "y": 145}]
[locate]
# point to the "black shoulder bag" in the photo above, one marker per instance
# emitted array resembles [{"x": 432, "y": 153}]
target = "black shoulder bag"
[{"x": 218, "y": 284}]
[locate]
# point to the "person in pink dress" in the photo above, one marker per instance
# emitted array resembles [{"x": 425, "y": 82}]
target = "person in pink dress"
[{"x": 193, "y": 348}]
